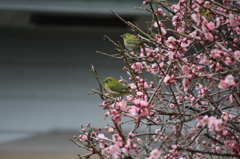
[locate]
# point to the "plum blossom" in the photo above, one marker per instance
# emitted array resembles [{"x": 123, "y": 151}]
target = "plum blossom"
[
  {"x": 186, "y": 69},
  {"x": 209, "y": 36},
  {"x": 171, "y": 42},
  {"x": 215, "y": 124},
  {"x": 82, "y": 138},
  {"x": 115, "y": 151},
  {"x": 155, "y": 154},
  {"x": 237, "y": 54},
  {"x": 121, "y": 105},
  {"x": 134, "y": 111},
  {"x": 229, "y": 79},
  {"x": 210, "y": 26},
  {"x": 137, "y": 66},
  {"x": 227, "y": 82},
  {"x": 171, "y": 105},
  {"x": 233, "y": 20}
]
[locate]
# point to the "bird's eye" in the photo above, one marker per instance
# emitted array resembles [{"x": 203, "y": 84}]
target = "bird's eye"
[
  {"x": 126, "y": 36},
  {"x": 108, "y": 81},
  {"x": 203, "y": 10}
]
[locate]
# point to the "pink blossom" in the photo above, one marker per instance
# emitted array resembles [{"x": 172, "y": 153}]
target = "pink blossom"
[
  {"x": 133, "y": 111},
  {"x": 166, "y": 78},
  {"x": 143, "y": 103},
  {"x": 196, "y": 17},
  {"x": 200, "y": 1},
  {"x": 136, "y": 101},
  {"x": 115, "y": 151},
  {"x": 155, "y": 24},
  {"x": 137, "y": 66},
  {"x": 229, "y": 79},
  {"x": 207, "y": 4},
  {"x": 164, "y": 32},
  {"x": 209, "y": 36},
  {"x": 170, "y": 54},
  {"x": 139, "y": 140},
  {"x": 82, "y": 138},
  {"x": 215, "y": 124},
  {"x": 171, "y": 42},
  {"x": 233, "y": 20},
  {"x": 154, "y": 68},
  {"x": 186, "y": 69},
  {"x": 159, "y": 10},
  {"x": 121, "y": 105},
  {"x": 144, "y": 112},
  {"x": 210, "y": 26},
  {"x": 174, "y": 146},
  {"x": 186, "y": 84},
  {"x": 171, "y": 105},
  {"x": 219, "y": 125},
  {"x": 237, "y": 54},
  {"x": 155, "y": 154}
]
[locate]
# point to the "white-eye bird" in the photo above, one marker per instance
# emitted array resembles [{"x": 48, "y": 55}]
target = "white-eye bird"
[
  {"x": 115, "y": 88},
  {"x": 131, "y": 42}
]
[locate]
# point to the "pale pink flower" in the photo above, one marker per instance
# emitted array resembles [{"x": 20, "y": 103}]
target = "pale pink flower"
[
  {"x": 154, "y": 68},
  {"x": 155, "y": 24},
  {"x": 233, "y": 20},
  {"x": 209, "y": 36},
  {"x": 200, "y": 1},
  {"x": 164, "y": 32},
  {"x": 110, "y": 130},
  {"x": 186, "y": 69},
  {"x": 229, "y": 79},
  {"x": 133, "y": 111},
  {"x": 121, "y": 105},
  {"x": 196, "y": 17},
  {"x": 219, "y": 125},
  {"x": 105, "y": 151},
  {"x": 207, "y": 4},
  {"x": 115, "y": 151},
  {"x": 143, "y": 103},
  {"x": 159, "y": 10},
  {"x": 170, "y": 54},
  {"x": 222, "y": 84},
  {"x": 82, "y": 138},
  {"x": 210, "y": 26},
  {"x": 174, "y": 146},
  {"x": 144, "y": 112},
  {"x": 175, "y": 20},
  {"x": 171, "y": 42},
  {"x": 137, "y": 66},
  {"x": 139, "y": 140},
  {"x": 186, "y": 84},
  {"x": 171, "y": 105},
  {"x": 203, "y": 60},
  {"x": 136, "y": 101},
  {"x": 218, "y": 149},
  {"x": 237, "y": 54},
  {"x": 155, "y": 154},
  {"x": 166, "y": 78},
  {"x": 101, "y": 141}
]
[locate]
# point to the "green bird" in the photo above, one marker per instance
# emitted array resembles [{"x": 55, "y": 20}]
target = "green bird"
[
  {"x": 115, "y": 88},
  {"x": 130, "y": 41},
  {"x": 206, "y": 13}
]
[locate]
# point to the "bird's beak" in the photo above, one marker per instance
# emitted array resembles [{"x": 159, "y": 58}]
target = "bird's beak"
[
  {"x": 121, "y": 36},
  {"x": 103, "y": 82}
]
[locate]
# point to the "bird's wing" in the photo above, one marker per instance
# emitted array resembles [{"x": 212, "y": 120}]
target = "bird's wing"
[
  {"x": 133, "y": 41},
  {"x": 118, "y": 88}
]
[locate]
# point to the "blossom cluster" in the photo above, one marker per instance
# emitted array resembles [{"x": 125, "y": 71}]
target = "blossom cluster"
[{"x": 185, "y": 87}]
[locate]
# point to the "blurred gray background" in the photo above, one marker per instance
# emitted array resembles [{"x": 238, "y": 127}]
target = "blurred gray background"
[{"x": 47, "y": 48}]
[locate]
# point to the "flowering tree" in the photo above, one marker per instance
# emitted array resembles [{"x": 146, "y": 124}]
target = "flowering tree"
[{"x": 185, "y": 84}]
